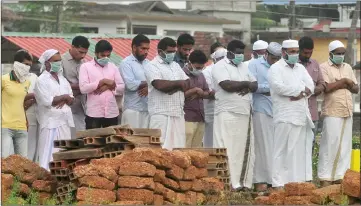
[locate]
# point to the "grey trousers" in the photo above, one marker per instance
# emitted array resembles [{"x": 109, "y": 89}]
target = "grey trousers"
[{"x": 14, "y": 141}]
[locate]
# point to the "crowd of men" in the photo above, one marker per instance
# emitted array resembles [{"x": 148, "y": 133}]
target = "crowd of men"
[{"x": 263, "y": 111}]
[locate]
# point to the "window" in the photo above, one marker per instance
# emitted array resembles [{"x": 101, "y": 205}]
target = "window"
[
  {"x": 174, "y": 33},
  {"x": 144, "y": 29},
  {"x": 121, "y": 30},
  {"x": 89, "y": 30}
]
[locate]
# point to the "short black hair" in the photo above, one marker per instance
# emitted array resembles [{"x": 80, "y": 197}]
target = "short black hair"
[
  {"x": 185, "y": 39},
  {"x": 166, "y": 42},
  {"x": 102, "y": 46},
  {"x": 81, "y": 41},
  {"x": 197, "y": 56},
  {"x": 21, "y": 55},
  {"x": 235, "y": 44},
  {"x": 305, "y": 43},
  {"x": 214, "y": 46},
  {"x": 139, "y": 39}
]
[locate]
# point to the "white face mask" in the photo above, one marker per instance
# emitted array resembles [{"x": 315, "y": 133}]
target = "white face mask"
[{"x": 21, "y": 71}]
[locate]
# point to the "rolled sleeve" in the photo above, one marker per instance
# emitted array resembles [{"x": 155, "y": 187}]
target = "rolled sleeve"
[
  {"x": 324, "y": 73},
  {"x": 263, "y": 88},
  {"x": 85, "y": 85},
  {"x": 42, "y": 94},
  {"x": 126, "y": 72}
]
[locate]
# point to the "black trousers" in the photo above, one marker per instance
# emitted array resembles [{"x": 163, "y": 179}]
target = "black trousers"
[{"x": 95, "y": 122}]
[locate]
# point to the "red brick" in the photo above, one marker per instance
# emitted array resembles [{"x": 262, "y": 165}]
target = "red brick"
[
  {"x": 44, "y": 197},
  {"x": 128, "y": 203},
  {"x": 28, "y": 178},
  {"x": 44, "y": 186},
  {"x": 199, "y": 159},
  {"x": 170, "y": 183},
  {"x": 88, "y": 203},
  {"x": 140, "y": 169},
  {"x": 158, "y": 200},
  {"x": 136, "y": 182},
  {"x": 202, "y": 172},
  {"x": 175, "y": 173},
  {"x": 96, "y": 182},
  {"x": 212, "y": 184},
  {"x": 146, "y": 155},
  {"x": 95, "y": 195},
  {"x": 261, "y": 200},
  {"x": 96, "y": 170},
  {"x": 192, "y": 197},
  {"x": 197, "y": 185},
  {"x": 180, "y": 198},
  {"x": 178, "y": 158},
  {"x": 201, "y": 198},
  {"x": 185, "y": 185},
  {"x": 190, "y": 173},
  {"x": 7, "y": 180},
  {"x": 298, "y": 189},
  {"x": 351, "y": 184},
  {"x": 24, "y": 189},
  {"x": 297, "y": 200},
  {"x": 168, "y": 203},
  {"x": 320, "y": 196},
  {"x": 114, "y": 163},
  {"x": 5, "y": 193},
  {"x": 146, "y": 196},
  {"x": 168, "y": 194},
  {"x": 159, "y": 175},
  {"x": 277, "y": 198}
]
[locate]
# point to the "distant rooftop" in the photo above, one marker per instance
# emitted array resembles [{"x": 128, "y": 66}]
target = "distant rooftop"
[{"x": 307, "y": 2}]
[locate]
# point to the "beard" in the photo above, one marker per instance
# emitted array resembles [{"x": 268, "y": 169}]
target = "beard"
[
  {"x": 140, "y": 57},
  {"x": 304, "y": 59}
]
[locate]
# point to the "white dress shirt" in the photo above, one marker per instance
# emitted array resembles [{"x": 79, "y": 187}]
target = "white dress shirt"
[
  {"x": 286, "y": 82},
  {"x": 46, "y": 89}
]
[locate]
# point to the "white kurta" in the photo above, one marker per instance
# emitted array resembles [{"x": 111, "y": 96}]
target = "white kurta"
[
  {"x": 263, "y": 131},
  {"x": 292, "y": 159},
  {"x": 135, "y": 119},
  {"x": 335, "y": 148},
  {"x": 231, "y": 122},
  {"x": 54, "y": 123}
]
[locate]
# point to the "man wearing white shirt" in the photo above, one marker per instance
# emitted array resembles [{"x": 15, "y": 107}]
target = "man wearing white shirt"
[
  {"x": 167, "y": 83},
  {"x": 232, "y": 120},
  {"x": 54, "y": 96},
  {"x": 291, "y": 86},
  {"x": 218, "y": 53}
]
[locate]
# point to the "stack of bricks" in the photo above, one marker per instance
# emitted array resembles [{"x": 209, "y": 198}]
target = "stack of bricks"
[
  {"x": 94, "y": 144},
  {"x": 346, "y": 193},
  {"x": 22, "y": 176},
  {"x": 217, "y": 164},
  {"x": 146, "y": 176}
]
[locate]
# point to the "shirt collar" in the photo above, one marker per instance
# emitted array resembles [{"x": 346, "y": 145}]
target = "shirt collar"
[
  {"x": 284, "y": 63},
  {"x": 160, "y": 60},
  {"x": 229, "y": 62},
  {"x": 333, "y": 64}
]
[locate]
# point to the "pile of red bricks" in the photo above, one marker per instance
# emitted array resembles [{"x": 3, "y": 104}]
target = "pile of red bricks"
[
  {"x": 146, "y": 176},
  {"x": 307, "y": 194},
  {"x": 22, "y": 175}
]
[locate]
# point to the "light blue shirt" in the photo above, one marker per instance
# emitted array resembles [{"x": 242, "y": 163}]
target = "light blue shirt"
[
  {"x": 133, "y": 74},
  {"x": 261, "y": 103}
]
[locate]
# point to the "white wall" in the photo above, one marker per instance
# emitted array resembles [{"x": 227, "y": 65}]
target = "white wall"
[{"x": 109, "y": 27}]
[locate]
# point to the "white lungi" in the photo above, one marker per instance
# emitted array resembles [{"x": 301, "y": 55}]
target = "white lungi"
[
  {"x": 263, "y": 146},
  {"x": 335, "y": 148},
  {"x": 231, "y": 132},
  {"x": 208, "y": 134},
  {"x": 292, "y": 154},
  {"x": 33, "y": 137},
  {"x": 46, "y": 143},
  {"x": 173, "y": 130},
  {"x": 135, "y": 119}
]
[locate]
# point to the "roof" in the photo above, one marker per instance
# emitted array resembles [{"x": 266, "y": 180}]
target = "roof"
[{"x": 37, "y": 43}]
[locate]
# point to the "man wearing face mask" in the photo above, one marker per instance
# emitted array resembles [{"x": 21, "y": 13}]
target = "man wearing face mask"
[
  {"x": 291, "y": 86},
  {"x": 185, "y": 43},
  {"x": 313, "y": 69},
  {"x": 54, "y": 96},
  {"x": 258, "y": 50},
  {"x": 14, "y": 88},
  {"x": 193, "y": 106},
  {"x": 71, "y": 62},
  {"x": 100, "y": 80},
  {"x": 232, "y": 121},
  {"x": 337, "y": 109},
  {"x": 167, "y": 83},
  {"x": 262, "y": 117},
  {"x": 136, "y": 88},
  {"x": 218, "y": 52}
]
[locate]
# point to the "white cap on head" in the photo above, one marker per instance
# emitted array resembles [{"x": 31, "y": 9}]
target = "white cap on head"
[
  {"x": 289, "y": 44},
  {"x": 46, "y": 56},
  {"x": 275, "y": 48},
  {"x": 334, "y": 45},
  {"x": 221, "y": 52},
  {"x": 259, "y": 45}
]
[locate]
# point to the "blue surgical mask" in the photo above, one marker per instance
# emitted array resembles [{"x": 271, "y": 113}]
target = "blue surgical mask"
[
  {"x": 337, "y": 59},
  {"x": 103, "y": 61},
  {"x": 169, "y": 57},
  {"x": 55, "y": 66},
  {"x": 291, "y": 59},
  {"x": 238, "y": 58}
]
